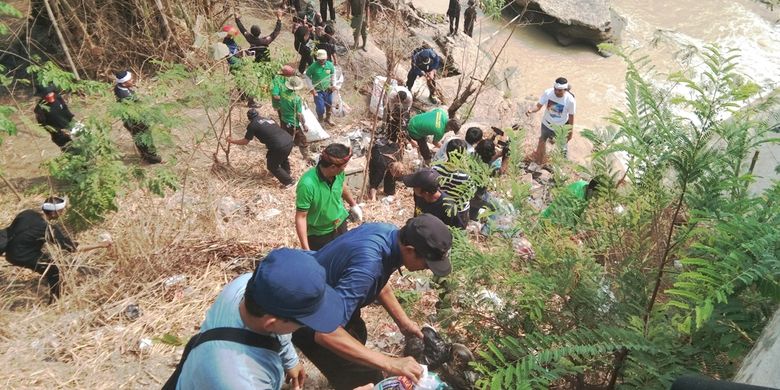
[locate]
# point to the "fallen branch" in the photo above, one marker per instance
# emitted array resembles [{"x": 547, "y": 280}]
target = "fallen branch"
[{"x": 11, "y": 186}]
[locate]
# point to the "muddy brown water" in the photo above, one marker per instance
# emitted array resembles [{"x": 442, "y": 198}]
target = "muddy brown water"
[{"x": 662, "y": 30}]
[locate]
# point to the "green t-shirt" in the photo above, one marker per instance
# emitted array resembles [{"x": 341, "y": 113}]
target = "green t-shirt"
[
  {"x": 322, "y": 201},
  {"x": 321, "y": 75},
  {"x": 290, "y": 106},
  {"x": 567, "y": 207},
  {"x": 433, "y": 122},
  {"x": 277, "y": 87}
]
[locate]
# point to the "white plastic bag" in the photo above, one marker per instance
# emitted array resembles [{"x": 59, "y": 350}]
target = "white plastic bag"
[
  {"x": 338, "y": 78},
  {"x": 377, "y": 93},
  {"x": 315, "y": 131},
  {"x": 339, "y": 107}
]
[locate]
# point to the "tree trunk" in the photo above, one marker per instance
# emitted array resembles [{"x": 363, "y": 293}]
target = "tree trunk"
[{"x": 61, "y": 38}]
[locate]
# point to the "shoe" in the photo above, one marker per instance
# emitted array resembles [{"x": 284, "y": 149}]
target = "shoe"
[
  {"x": 152, "y": 159},
  {"x": 286, "y": 186}
]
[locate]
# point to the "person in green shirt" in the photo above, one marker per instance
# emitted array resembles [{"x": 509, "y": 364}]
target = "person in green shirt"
[
  {"x": 322, "y": 74},
  {"x": 278, "y": 85},
  {"x": 320, "y": 215},
  {"x": 291, "y": 113},
  {"x": 435, "y": 122},
  {"x": 568, "y": 206}
]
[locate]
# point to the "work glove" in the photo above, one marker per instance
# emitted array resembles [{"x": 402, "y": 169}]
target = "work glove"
[{"x": 356, "y": 213}]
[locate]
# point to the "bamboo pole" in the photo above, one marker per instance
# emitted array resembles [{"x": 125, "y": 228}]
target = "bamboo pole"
[
  {"x": 11, "y": 186},
  {"x": 390, "y": 67},
  {"x": 161, "y": 9},
  {"x": 61, "y": 38}
]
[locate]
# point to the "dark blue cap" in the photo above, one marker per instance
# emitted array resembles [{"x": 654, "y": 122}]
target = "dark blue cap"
[{"x": 289, "y": 283}]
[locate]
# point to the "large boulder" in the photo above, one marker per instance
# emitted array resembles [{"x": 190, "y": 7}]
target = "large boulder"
[{"x": 573, "y": 21}]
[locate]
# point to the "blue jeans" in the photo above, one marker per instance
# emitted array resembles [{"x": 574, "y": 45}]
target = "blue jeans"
[{"x": 322, "y": 100}]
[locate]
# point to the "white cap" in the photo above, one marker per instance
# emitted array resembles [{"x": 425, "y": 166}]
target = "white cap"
[{"x": 322, "y": 54}]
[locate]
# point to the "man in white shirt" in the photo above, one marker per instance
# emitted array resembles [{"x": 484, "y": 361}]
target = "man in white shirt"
[{"x": 560, "y": 108}]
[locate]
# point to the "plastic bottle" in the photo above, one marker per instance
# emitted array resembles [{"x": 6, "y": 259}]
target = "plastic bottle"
[{"x": 428, "y": 381}]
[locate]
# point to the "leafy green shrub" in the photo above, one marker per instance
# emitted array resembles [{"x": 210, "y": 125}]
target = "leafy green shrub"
[
  {"x": 674, "y": 272},
  {"x": 7, "y": 126}
]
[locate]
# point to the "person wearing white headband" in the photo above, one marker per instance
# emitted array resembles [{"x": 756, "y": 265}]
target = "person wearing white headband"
[
  {"x": 560, "y": 108},
  {"x": 29, "y": 231},
  {"x": 140, "y": 130},
  {"x": 53, "y": 114}
]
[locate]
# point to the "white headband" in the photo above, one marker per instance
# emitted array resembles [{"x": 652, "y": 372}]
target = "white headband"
[
  {"x": 561, "y": 86},
  {"x": 54, "y": 206},
  {"x": 128, "y": 77}
]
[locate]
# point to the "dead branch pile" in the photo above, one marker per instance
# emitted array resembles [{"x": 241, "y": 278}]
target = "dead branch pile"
[{"x": 106, "y": 35}]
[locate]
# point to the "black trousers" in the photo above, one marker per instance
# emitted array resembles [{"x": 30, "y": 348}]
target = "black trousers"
[
  {"x": 317, "y": 242},
  {"x": 341, "y": 373},
  {"x": 142, "y": 138},
  {"x": 324, "y": 6},
  {"x": 47, "y": 269},
  {"x": 425, "y": 151},
  {"x": 454, "y": 22},
  {"x": 299, "y": 139},
  {"x": 60, "y": 138},
  {"x": 378, "y": 168},
  {"x": 278, "y": 163},
  {"x": 304, "y": 63}
]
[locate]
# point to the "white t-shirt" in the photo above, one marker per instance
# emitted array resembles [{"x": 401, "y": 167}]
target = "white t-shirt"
[
  {"x": 557, "y": 109},
  {"x": 441, "y": 154}
]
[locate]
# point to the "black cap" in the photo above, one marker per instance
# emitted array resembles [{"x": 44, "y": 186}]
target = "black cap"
[
  {"x": 425, "y": 178},
  {"x": 432, "y": 240}
]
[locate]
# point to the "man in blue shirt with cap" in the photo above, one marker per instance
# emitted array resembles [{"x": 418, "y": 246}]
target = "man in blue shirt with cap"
[
  {"x": 287, "y": 291},
  {"x": 425, "y": 62},
  {"x": 358, "y": 265}
]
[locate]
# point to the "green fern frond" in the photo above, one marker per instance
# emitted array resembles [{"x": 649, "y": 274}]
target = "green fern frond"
[{"x": 537, "y": 359}]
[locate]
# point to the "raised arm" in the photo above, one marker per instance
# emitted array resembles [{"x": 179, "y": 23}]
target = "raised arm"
[
  {"x": 240, "y": 26},
  {"x": 277, "y": 29}
]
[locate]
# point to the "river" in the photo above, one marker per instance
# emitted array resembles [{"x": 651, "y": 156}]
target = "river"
[{"x": 661, "y": 30}]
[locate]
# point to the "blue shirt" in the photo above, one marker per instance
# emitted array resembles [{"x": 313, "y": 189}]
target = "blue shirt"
[
  {"x": 418, "y": 60},
  {"x": 229, "y": 365},
  {"x": 359, "y": 263}
]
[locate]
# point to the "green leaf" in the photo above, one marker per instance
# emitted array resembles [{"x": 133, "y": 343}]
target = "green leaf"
[{"x": 169, "y": 339}]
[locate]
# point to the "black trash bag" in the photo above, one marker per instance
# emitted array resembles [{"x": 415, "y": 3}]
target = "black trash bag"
[
  {"x": 449, "y": 360},
  {"x": 432, "y": 350},
  {"x": 457, "y": 373}
]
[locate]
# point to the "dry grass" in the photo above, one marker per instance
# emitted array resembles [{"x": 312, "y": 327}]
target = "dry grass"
[{"x": 85, "y": 340}]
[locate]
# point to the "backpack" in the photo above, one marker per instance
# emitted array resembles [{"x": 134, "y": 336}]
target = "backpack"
[
  {"x": 3, "y": 240},
  {"x": 236, "y": 335}
]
